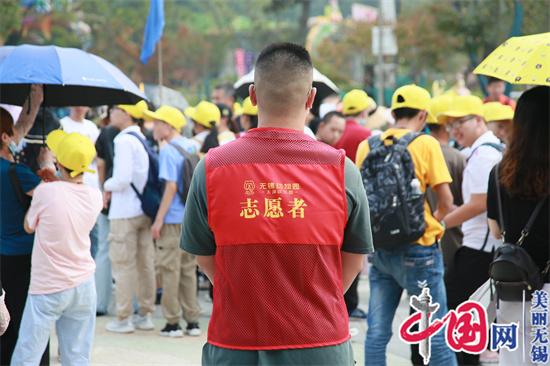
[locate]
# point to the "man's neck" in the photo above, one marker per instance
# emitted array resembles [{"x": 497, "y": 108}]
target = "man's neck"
[
  {"x": 6, "y": 155},
  {"x": 268, "y": 121},
  {"x": 125, "y": 126},
  {"x": 404, "y": 124},
  {"x": 77, "y": 118},
  {"x": 173, "y": 135}
]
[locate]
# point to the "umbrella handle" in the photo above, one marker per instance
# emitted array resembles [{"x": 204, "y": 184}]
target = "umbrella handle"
[
  {"x": 44, "y": 118},
  {"x": 29, "y": 100}
]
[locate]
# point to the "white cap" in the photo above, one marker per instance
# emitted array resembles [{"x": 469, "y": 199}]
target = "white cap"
[
  {"x": 326, "y": 108},
  {"x": 14, "y": 110}
]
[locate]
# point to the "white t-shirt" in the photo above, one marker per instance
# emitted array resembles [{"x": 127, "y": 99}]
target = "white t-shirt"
[
  {"x": 475, "y": 181},
  {"x": 90, "y": 130},
  {"x": 130, "y": 165}
]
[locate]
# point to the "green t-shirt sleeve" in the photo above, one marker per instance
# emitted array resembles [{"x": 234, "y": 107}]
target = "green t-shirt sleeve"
[
  {"x": 357, "y": 234},
  {"x": 197, "y": 237}
]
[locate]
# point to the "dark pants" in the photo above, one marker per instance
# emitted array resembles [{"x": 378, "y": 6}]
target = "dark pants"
[
  {"x": 351, "y": 297},
  {"x": 469, "y": 270},
  {"x": 15, "y": 274}
]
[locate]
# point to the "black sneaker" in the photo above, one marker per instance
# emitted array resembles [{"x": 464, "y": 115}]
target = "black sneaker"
[
  {"x": 193, "y": 329},
  {"x": 172, "y": 330}
]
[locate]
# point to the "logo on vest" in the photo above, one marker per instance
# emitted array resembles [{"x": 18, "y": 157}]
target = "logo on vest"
[
  {"x": 249, "y": 187},
  {"x": 273, "y": 207}
]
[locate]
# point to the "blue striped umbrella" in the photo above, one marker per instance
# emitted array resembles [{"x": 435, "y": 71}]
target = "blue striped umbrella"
[{"x": 71, "y": 77}]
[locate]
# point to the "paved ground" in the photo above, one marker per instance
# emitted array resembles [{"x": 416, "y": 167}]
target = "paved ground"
[{"x": 148, "y": 348}]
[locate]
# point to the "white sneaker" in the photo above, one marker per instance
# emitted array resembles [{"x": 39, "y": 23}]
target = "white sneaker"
[
  {"x": 120, "y": 326},
  {"x": 172, "y": 330},
  {"x": 193, "y": 330},
  {"x": 144, "y": 322}
]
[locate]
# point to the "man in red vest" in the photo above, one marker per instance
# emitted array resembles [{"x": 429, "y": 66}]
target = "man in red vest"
[{"x": 280, "y": 225}]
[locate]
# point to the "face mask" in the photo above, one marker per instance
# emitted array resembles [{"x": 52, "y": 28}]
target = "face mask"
[{"x": 12, "y": 147}]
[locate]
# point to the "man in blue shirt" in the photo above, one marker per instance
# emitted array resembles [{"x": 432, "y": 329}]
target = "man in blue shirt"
[{"x": 176, "y": 267}]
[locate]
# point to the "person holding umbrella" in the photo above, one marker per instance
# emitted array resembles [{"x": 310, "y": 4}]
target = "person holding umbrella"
[{"x": 16, "y": 188}]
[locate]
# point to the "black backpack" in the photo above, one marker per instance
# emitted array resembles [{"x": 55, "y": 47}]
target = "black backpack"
[
  {"x": 396, "y": 202},
  {"x": 190, "y": 162},
  {"x": 152, "y": 192},
  {"x": 514, "y": 273}
]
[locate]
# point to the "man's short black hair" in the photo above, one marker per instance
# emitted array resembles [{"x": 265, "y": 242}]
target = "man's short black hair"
[
  {"x": 435, "y": 127},
  {"x": 327, "y": 117},
  {"x": 492, "y": 79},
  {"x": 294, "y": 53},
  {"x": 283, "y": 78},
  {"x": 405, "y": 113}
]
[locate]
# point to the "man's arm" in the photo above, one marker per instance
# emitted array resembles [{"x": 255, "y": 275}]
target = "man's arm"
[
  {"x": 352, "y": 264},
  {"x": 101, "y": 171},
  {"x": 26, "y": 118},
  {"x": 208, "y": 266},
  {"x": 444, "y": 200},
  {"x": 170, "y": 190},
  {"x": 495, "y": 229},
  {"x": 476, "y": 206}
]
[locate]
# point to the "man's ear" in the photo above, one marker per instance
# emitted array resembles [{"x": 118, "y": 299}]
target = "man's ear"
[
  {"x": 311, "y": 98},
  {"x": 422, "y": 116},
  {"x": 252, "y": 93}
]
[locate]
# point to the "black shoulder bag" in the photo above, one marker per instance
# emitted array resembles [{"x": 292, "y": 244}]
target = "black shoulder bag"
[{"x": 513, "y": 271}]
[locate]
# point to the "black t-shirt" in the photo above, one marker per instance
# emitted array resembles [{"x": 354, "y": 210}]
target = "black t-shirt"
[
  {"x": 105, "y": 147},
  {"x": 516, "y": 212}
]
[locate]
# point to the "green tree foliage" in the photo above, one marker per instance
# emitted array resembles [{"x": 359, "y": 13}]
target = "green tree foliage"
[{"x": 10, "y": 18}]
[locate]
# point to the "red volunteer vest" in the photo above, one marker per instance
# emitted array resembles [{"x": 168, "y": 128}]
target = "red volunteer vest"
[{"x": 277, "y": 207}]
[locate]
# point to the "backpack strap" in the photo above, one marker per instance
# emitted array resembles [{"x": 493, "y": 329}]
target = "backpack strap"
[
  {"x": 532, "y": 218},
  {"x": 23, "y": 199},
  {"x": 142, "y": 140},
  {"x": 409, "y": 137},
  {"x": 494, "y": 145},
  {"x": 499, "y": 203},
  {"x": 187, "y": 156}
]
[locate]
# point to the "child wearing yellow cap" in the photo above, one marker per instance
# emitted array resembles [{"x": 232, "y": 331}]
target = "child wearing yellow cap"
[
  {"x": 62, "y": 288},
  {"x": 177, "y": 268},
  {"x": 499, "y": 120}
]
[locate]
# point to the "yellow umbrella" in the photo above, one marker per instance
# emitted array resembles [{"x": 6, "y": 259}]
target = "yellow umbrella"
[{"x": 520, "y": 60}]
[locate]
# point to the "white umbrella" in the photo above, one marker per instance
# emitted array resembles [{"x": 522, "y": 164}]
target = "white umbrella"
[{"x": 324, "y": 85}]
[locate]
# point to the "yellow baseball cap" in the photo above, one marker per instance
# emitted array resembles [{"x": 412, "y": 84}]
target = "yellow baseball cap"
[
  {"x": 135, "y": 110},
  {"x": 495, "y": 111},
  {"x": 411, "y": 96},
  {"x": 237, "y": 109},
  {"x": 170, "y": 115},
  {"x": 355, "y": 101},
  {"x": 438, "y": 105},
  {"x": 464, "y": 105},
  {"x": 248, "y": 108},
  {"x": 72, "y": 150},
  {"x": 205, "y": 113}
]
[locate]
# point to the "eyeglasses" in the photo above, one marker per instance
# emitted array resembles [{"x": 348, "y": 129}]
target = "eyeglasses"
[{"x": 459, "y": 122}]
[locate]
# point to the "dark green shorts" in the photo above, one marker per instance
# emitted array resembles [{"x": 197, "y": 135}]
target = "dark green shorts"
[{"x": 339, "y": 355}]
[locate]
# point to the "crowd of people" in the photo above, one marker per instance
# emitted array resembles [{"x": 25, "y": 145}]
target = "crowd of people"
[{"x": 132, "y": 206}]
